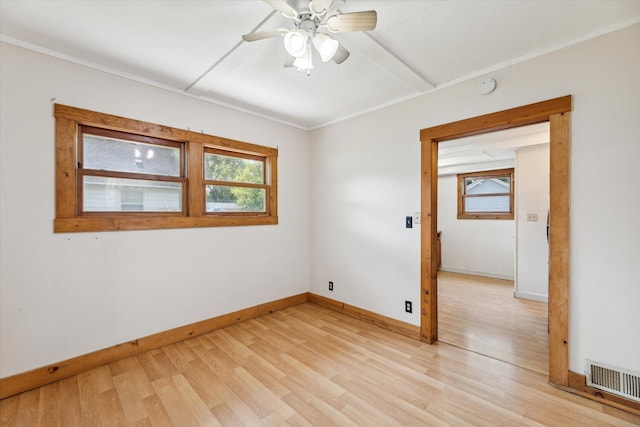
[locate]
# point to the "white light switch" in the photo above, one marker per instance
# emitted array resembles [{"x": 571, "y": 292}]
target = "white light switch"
[
  {"x": 532, "y": 217},
  {"x": 416, "y": 217}
]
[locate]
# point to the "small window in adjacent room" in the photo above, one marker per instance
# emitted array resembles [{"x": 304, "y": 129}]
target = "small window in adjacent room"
[{"x": 486, "y": 195}]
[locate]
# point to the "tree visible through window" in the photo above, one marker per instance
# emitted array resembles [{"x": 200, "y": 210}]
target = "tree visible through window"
[
  {"x": 234, "y": 182},
  {"x": 486, "y": 195}
]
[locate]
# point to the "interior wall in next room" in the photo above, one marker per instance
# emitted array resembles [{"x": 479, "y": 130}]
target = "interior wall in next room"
[
  {"x": 532, "y": 205},
  {"x": 483, "y": 247}
]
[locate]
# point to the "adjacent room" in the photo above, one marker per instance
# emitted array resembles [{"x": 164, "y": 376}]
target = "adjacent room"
[
  {"x": 326, "y": 212},
  {"x": 493, "y": 205}
]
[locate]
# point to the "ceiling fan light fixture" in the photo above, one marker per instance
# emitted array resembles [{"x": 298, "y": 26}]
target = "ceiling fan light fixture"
[
  {"x": 311, "y": 16},
  {"x": 295, "y": 41},
  {"x": 326, "y": 46}
]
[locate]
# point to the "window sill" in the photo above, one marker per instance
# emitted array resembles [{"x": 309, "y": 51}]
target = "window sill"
[
  {"x": 486, "y": 216},
  {"x": 86, "y": 224}
]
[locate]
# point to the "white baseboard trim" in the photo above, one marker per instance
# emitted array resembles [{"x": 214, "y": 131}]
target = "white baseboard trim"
[
  {"x": 477, "y": 273},
  {"x": 534, "y": 297}
]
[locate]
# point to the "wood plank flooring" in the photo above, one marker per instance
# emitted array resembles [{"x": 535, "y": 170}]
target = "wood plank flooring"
[
  {"x": 302, "y": 366},
  {"x": 480, "y": 314}
]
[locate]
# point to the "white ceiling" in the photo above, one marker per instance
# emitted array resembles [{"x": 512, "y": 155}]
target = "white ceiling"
[
  {"x": 494, "y": 150},
  {"x": 195, "y": 47}
]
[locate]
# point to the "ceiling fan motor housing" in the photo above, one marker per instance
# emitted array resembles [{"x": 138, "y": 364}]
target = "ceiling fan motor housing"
[{"x": 308, "y": 22}]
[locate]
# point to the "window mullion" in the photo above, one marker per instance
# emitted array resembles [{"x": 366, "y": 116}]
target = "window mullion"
[
  {"x": 128, "y": 175},
  {"x": 195, "y": 175},
  {"x": 234, "y": 184}
]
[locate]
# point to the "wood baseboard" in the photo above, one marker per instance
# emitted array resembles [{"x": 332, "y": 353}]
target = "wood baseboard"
[
  {"x": 578, "y": 385},
  {"x": 19, "y": 383},
  {"x": 393, "y": 325}
]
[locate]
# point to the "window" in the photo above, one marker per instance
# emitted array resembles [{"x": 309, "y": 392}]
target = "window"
[
  {"x": 114, "y": 173},
  {"x": 118, "y": 171},
  {"x": 486, "y": 195},
  {"x": 234, "y": 182}
]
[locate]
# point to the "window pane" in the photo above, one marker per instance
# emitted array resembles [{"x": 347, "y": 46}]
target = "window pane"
[
  {"x": 233, "y": 169},
  {"x": 222, "y": 198},
  {"x": 118, "y": 155},
  {"x": 478, "y": 185},
  {"x": 102, "y": 194},
  {"x": 487, "y": 204}
]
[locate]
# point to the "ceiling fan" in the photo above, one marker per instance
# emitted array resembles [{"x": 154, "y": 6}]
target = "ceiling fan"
[{"x": 308, "y": 22}]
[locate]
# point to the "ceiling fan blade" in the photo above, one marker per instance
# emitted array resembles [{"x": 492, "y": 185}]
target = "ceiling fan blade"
[
  {"x": 341, "y": 55},
  {"x": 264, "y": 35},
  {"x": 357, "y": 21},
  {"x": 283, "y": 7},
  {"x": 319, "y": 6},
  {"x": 289, "y": 62}
]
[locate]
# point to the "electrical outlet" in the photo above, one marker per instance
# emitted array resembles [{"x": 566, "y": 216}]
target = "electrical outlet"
[
  {"x": 407, "y": 307},
  {"x": 409, "y": 222},
  {"x": 331, "y": 286}
]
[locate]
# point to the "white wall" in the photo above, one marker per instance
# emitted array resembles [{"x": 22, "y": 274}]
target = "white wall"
[
  {"x": 483, "y": 247},
  {"x": 532, "y": 197},
  {"x": 365, "y": 177},
  {"x": 63, "y": 295}
]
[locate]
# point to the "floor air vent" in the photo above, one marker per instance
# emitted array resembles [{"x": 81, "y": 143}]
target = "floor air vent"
[{"x": 614, "y": 380}]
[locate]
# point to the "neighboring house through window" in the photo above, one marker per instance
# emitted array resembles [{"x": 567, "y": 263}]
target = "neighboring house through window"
[
  {"x": 118, "y": 171},
  {"x": 132, "y": 200}
]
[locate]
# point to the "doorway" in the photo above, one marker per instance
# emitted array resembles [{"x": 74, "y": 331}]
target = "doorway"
[
  {"x": 493, "y": 276},
  {"x": 556, "y": 112}
]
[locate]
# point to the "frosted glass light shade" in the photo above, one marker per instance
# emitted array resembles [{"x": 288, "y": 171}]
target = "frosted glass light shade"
[
  {"x": 304, "y": 62},
  {"x": 326, "y": 46},
  {"x": 295, "y": 42}
]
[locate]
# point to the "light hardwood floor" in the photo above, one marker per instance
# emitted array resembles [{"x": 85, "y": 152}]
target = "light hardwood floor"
[
  {"x": 480, "y": 314},
  {"x": 306, "y": 365}
]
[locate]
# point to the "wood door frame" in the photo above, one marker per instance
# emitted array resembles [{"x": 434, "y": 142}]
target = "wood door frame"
[{"x": 557, "y": 112}]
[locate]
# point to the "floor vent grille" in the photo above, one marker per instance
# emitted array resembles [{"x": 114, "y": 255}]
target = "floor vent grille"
[{"x": 614, "y": 380}]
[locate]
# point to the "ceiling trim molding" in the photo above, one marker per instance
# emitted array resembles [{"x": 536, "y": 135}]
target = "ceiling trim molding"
[
  {"x": 426, "y": 83},
  {"x": 229, "y": 52},
  {"x": 373, "y": 50}
]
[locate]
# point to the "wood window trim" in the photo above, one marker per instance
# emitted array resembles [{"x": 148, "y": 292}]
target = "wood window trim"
[
  {"x": 557, "y": 112},
  {"x": 498, "y": 173},
  {"x": 69, "y": 119}
]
